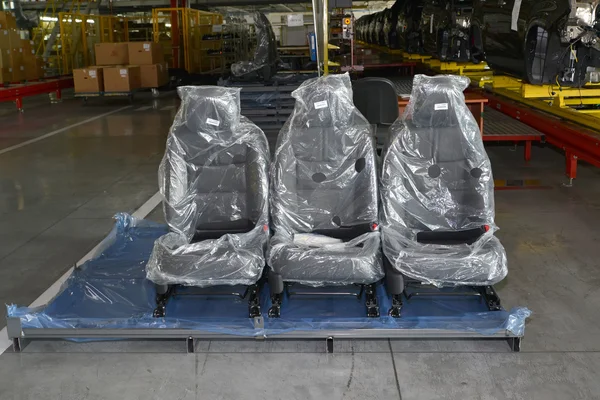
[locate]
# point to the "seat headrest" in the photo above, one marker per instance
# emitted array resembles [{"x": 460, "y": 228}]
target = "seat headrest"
[
  {"x": 210, "y": 109},
  {"x": 436, "y": 101},
  {"x": 324, "y": 102}
]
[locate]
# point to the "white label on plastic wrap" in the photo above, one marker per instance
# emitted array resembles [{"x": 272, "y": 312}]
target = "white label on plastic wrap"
[
  {"x": 92, "y": 73},
  {"x": 431, "y": 24},
  {"x": 147, "y": 46},
  {"x": 515, "y": 15},
  {"x": 217, "y": 28},
  {"x": 295, "y": 20},
  {"x": 440, "y": 106},
  {"x": 213, "y": 122},
  {"x": 32, "y": 51},
  {"x": 22, "y": 68},
  {"x": 20, "y": 50},
  {"x": 321, "y": 104},
  {"x": 123, "y": 73}
]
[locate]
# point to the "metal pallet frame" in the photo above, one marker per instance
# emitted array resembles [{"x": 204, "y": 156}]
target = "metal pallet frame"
[
  {"x": 576, "y": 141},
  {"x": 22, "y": 336},
  {"x": 16, "y": 93},
  {"x": 553, "y": 99}
]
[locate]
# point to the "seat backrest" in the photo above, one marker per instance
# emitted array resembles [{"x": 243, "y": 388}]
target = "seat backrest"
[
  {"x": 376, "y": 99},
  {"x": 265, "y": 52},
  {"x": 214, "y": 172},
  {"x": 323, "y": 174},
  {"x": 436, "y": 174}
]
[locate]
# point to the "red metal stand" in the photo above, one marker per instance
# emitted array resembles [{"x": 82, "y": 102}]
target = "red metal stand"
[
  {"x": 16, "y": 93},
  {"x": 578, "y": 143}
]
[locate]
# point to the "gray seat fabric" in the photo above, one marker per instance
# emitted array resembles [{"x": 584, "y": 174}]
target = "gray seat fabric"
[
  {"x": 215, "y": 185},
  {"x": 437, "y": 191},
  {"x": 323, "y": 181},
  {"x": 377, "y": 100}
]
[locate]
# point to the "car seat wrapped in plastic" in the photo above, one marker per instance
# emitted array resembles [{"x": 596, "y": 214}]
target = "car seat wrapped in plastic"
[
  {"x": 437, "y": 191},
  {"x": 265, "y": 53},
  {"x": 324, "y": 190},
  {"x": 214, "y": 182}
]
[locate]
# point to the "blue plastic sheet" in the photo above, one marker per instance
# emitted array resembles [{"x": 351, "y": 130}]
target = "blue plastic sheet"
[{"x": 110, "y": 291}]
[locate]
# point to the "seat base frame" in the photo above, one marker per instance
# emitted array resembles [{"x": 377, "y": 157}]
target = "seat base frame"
[
  {"x": 396, "y": 285},
  {"x": 278, "y": 287},
  {"x": 165, "y": 292}
]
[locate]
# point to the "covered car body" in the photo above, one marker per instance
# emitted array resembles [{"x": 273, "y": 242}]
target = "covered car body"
[
  {"x": 324, "y": 190},
  {"x": 437, "y": 191},
  {"x": 552, "y": 42},
  {"x": 444, "y": 29},
  {"x": 214, "y": 183}
]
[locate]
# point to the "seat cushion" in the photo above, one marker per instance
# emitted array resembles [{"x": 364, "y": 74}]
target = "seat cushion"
[
  {"x": 233, "y": 259},
  {"x": 356, "y": 261},
  {"x": 479, "y": 264}
]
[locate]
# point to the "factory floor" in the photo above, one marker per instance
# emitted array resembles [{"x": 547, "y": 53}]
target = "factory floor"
[{"x": 65, "y": 169}]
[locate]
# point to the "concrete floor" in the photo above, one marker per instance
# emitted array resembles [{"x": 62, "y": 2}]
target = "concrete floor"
[{"x": 58, "y": 194}]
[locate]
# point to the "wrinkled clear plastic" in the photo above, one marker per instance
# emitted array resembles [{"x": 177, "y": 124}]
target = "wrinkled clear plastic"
[
  {"x": 265, "y": 53},
  {"x": 214, "y": 182},
  {"x": 110, "y": 292},
  {"x": 323, "y": 180},
  {"x": 436, "y": 176}
]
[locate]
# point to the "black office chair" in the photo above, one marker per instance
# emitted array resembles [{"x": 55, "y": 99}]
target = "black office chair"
[{"x": 377, "y": 100}]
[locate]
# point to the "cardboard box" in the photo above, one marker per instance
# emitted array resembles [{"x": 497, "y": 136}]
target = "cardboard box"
[
  {"x": 40, "y": 67},
  {"x": 15, "y": 38},
  {"x": 16, "y": 57},
  {"x": 5, "y": 75},
  {"x": 88, "y": 80},
  {"x": 111, "y": 53},
  {"x": 29, "y": 61},
  {"x": 145, "y": 53},
  {"x": 27, "y": 46},
  {"x": 18, "y": 73},
  {"x": 4, "y": 39},
  {"x": 154, "y": 76},
  {"x": 7, "y": 20},
  {"x": 5, "y": 58},
  {"x": 31, "y": 72},
  {"x": 124, "y": 78}
]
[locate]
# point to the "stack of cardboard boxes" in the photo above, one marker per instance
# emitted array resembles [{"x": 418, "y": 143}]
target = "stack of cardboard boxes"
[
  {"x": 17, "y": 56},
  {"x": 123, "y": 67}
]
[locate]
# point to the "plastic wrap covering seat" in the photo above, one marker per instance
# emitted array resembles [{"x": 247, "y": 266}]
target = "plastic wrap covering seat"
[
  {"x": 214, "y": 180},
  {"x": 324, "y": 185},
  {"x": 265, "y": 54},
  {"x": 437, "y": 191}
]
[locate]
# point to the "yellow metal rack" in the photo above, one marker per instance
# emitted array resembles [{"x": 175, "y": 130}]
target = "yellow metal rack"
[
  {"x": 80, "y": 32},
  {"x": 473, "y": 71},
  {"x": 192, "y": 39},
  {"x": 580, "y": 105}
]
